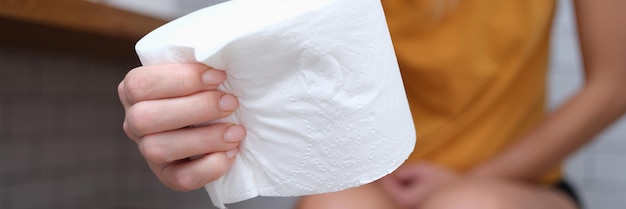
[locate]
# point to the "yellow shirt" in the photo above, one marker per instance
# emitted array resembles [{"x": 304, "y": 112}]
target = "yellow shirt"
[{"x": 474, "y": 73}]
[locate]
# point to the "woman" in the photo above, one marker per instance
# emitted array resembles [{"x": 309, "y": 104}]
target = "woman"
[{"x": 474, "y": 71}]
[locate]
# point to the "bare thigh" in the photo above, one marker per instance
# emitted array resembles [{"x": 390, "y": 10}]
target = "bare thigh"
[
  {"x": 368, "y": 196},
  {"x": 490, "y": 194},
  {"x": 470, "y": 194}
]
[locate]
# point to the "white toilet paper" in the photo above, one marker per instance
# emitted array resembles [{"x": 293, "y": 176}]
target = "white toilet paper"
[{"x": 319, "y": 89}]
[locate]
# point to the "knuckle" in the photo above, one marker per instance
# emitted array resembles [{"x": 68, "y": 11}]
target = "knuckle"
[
  {"x": 120, "y": 90},
  {"x": 127, "y": 130},
  {"x": 220, "y": 168},
  {"x": 189, "y": 79},
  {"x": 138, "y": 118},
  {"x": 136, "y": 87},
  {"x": 204, "y": 98},
  {"x": 184, "y": 181},
  {"x": 208, "y": 102},
  {"x": 153, "y": 151}
]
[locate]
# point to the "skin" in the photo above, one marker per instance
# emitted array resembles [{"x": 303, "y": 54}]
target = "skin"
[{"x": 162, "y": 104}]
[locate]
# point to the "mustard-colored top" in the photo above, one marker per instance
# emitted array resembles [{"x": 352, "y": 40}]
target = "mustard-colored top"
[{"x": 474, "y": 73}]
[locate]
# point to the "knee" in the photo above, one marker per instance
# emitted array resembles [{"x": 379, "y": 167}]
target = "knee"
[
  {"x": 365, "y": 197},
  {"x": 320, "y": 201},
  {"x": 465, "y": 195}
]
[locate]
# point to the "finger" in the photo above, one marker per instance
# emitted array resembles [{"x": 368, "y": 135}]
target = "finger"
[
  {"x": 167, "y": 147},
  {"x": 128, "y": 132},
  {"x": 167, "y": 81},
  {"x": 392, "y": 186},
  {"x": 121, "y": 93},
  {"x": 409, "y": 196},
  {"x": 404, "y": 185},
  {"x": 414, "y": 171},
  {"x": 191, "y": 175},
  {"x": 406, "y": 174},
  {"x": 154, "y": 116},
  {"x": 419, "y": 195},
  {"x": 403, "y": 194}
]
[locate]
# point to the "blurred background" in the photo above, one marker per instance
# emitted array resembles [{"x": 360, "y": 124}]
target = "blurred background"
[{"x": 61, "y": 143}]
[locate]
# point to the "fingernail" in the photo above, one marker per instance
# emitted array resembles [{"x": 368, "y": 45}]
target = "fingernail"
[
  {"x": 230, "y": 154},
  {"x": 228, "y": 102},
  {"x": 213, "y": 77},
  {"x": 235, "y": 133}
]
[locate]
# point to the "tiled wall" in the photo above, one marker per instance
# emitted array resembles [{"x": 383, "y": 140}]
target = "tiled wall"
[
  {"x": 598, "y": 170},
  {"x": 61, "y": 142},
  {"x": 60, "y": 132}
]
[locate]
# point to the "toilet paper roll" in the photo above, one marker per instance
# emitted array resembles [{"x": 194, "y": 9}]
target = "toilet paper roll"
[{"x": 319, "y": 89}]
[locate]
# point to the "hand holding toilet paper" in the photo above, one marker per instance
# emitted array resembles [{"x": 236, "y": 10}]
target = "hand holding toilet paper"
[{"x": 319, "y": 89}]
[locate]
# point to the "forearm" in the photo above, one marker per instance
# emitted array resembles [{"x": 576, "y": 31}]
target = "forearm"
[
  {"x": 560, "y": 134},
  {"x": 599, "y": 102}
]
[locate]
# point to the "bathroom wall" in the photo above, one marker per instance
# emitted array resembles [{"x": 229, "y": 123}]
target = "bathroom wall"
[
  {"x": 165, "y": 9},
  {"x": 61, "y": 145},
  {"x": 61, "y": 142}
]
